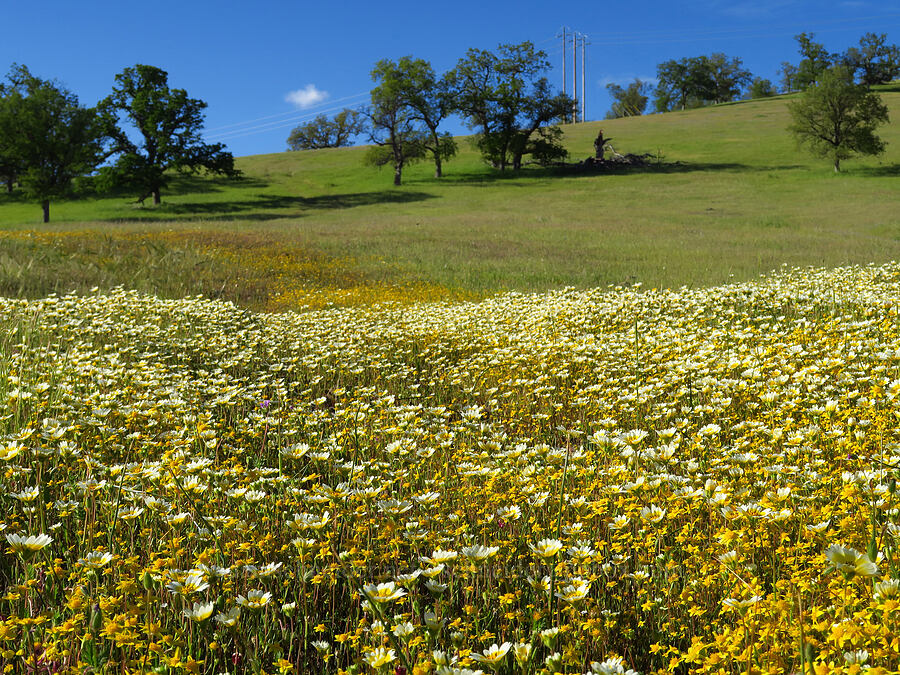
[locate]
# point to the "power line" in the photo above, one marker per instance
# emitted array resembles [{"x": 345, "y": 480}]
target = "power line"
[
  {"x": 272, "y": 126},
  {"x": 662, "y": 37},
  {"x": 284, "y": 114}
]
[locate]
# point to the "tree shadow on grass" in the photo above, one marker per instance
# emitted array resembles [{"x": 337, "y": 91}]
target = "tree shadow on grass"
[
  {"x": 263, "y": 207},
  {"x": 185, "y": 184},
  {"x": 885, "y": 171},
  {"x": 529, "y": 175}
]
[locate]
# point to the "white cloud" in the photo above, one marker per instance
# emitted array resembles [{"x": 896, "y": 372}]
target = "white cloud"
[{"x": 306, "y": 97}]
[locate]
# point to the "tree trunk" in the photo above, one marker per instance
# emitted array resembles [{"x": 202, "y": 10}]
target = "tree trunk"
[
  {"x": 45, "y": 205},
  {"x": 156, "y": 197},
  {"x": 837, "y": 165},
  {"x": 398, "y": 173},
  {"x": 9, "y": 185},
  {"x": 438, "y": 172}
]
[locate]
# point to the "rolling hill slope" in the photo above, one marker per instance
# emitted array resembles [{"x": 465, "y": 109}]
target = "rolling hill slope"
[{"x": 731, "y": 197}]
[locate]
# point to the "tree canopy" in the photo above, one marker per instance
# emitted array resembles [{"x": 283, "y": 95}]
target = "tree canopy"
[
  {"x": 323, "y": 132},
  {"x": 815, "y": 61},
  {"x": 875, "y": 61},
  {"x": 699, "y": 80},
  {"x": 507, "y": 100},
  {"x": 837, "y": 119},
  {"x": 169, "y": 124},
  {"x": 396, "y": 136},
  {"x": 46, "y": 137},
  {"x": 629, "y": 101},
  {"x": 428, "y": 101}
]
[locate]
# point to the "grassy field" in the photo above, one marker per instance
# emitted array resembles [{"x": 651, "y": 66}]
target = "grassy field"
[{"x": 730, "y": 199}]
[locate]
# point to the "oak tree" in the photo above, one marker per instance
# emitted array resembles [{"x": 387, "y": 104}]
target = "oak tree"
[
  {"x": 837, "y": 119},
  {"x": 167, "y": 124},
  {"x": 323, "y": 132},
  {"x": 505, "y": 97},
  {"x": 47, "y": 137}
]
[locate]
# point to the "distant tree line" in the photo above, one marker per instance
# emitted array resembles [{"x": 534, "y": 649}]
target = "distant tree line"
[
  {"x": 696, "y": 81},
  {"x": 503, "y": 96},
  {"x": 52, "y": 147}
]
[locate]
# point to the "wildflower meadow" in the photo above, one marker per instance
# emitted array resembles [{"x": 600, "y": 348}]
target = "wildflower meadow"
[{"x": 621, "y": 480}]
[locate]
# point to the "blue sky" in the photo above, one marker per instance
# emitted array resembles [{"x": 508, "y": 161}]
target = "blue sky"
[{"x": 265, "y": 67}]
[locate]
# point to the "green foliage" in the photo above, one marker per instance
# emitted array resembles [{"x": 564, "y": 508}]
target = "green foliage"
[
  {"x": 327, "y": 133},
  {"x": 169, "y": 124},
  {"x": 428, "y": 101},
  {"x": 732, "y": 197},
  {"x": 761, "y": 88},
  {"x": 47, "y": 139},
  {"x": 396, "y": 134},
  {"x": 874, "y": 60},
  {"x": 816, "y": 60},
  {"x": 630, "y": 101},
  {"x": 837, "y": 118},
  {"x": 506, "y": 98},
  {"x": 699, "y": 80}
]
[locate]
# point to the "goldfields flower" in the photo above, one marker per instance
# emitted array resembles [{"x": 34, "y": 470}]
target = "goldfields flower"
[
  {"x": 546, "y": 548},
  {"x": 382, "y": 593},
  {"x": 200, "y": 612},
  {"x": 255, "y": 599}
]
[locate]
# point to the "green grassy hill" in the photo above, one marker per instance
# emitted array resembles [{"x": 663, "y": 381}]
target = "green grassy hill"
[{"x": 731, "y": 198}]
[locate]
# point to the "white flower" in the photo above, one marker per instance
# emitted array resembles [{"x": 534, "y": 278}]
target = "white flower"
[
  {"x": 254, "y": 600},
  {"x": 380, "y": 656},
  {"x": 95, "y": 559},
  {"x": 28, "y": 546},
  {"x": 385, "y": 592},
  {"x": 493, "y": 654},
  {"x": 546, "y": 548},
  {"x": 229, "y": 618},
  {"x": 200, "y": 612}
]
